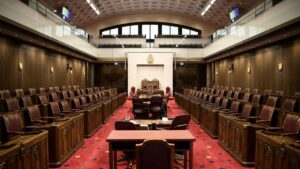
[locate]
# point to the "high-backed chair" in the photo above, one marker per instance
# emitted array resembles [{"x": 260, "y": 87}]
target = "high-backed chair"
[
  {"x": 158, "y": 154},
  {"x": 44, "y": 102},
  {"x": 266, "y": 117},
  {"x": 42, "y": 91},
  {"x": 51, "y": 90},
  {"x": 26, "y": 101},
  {"x": 156, "y": 107},
  {"x": 13, "y": 126},
  {"x": 19, "y": 93},
  {"x": 297, "y": 94},
  {"x": 279, "y": 92},
  {"x": 53, "y": 97},
  {"x": 12, "y": 104},
  {"x": 56, "y": 111},
  {"x": 138, "y": 109},
  {"x": 291, "y": 126},
  {"x": 5, "y": 94},
  {"x": 132, "y": 91},
  {"x": 56, "y": 88},
  {"x": 180, "y": 122}
]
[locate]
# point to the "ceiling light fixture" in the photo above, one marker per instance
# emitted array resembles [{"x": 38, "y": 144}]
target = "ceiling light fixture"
[
  {"x": 93, "y": 6},
  {"x": 207, "y": 6}
]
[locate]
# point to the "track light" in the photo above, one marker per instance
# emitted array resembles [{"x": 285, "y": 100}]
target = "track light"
[
  {"x": 208, "y": 5},
  {"x": 93, "y": 6}
]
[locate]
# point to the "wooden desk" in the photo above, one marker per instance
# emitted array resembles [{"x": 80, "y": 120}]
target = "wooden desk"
[{"x": 120, "y": 140}]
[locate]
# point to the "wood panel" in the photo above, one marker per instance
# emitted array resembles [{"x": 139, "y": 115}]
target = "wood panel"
[
  {"x": 189, "y": 75},
  {"x": 291, "y": 68},
  {"x": 37, "y": 62},
  {"x": 9, "y": 78},
  {"x": 264, "y": 64}
]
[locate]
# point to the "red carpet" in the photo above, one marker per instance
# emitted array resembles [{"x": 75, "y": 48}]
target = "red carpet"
[{"x": 94, "y": 153}]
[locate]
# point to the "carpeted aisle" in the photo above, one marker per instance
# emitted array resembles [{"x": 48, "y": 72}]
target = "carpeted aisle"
[{"x": 94, "y": 153}]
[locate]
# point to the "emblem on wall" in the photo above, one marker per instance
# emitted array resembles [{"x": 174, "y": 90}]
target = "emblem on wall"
[{"x": 150, "y": 59}]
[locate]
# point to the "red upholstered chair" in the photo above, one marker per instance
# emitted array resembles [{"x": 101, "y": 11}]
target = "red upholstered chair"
[
  {"x": 51, "y": 90},
  {"x": 42, "y": 91},
  {"x": 158, "y": 154},
  {"x": 5, "y": 94},
  {"x": 19, "y": 93},
  {"x": 266, "y": 117},
  {"x": 26, "y": 101},
  {"x": 56, "y": 88},
  {"x": 13, "y": 126},
  {"x": 291, "y": 126},
  {"x": 12, "y": 104},
  {"x": 168, "y": 91},
  {"x": 132, "y": 91},
  {"x": 53, "y": 97}
]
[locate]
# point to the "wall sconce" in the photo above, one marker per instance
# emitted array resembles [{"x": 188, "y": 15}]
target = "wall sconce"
[
  {"x": 51, "y": 69},
  {"x": 229, "y": 72},
  {"x": 83, "y": 73},
  {"x": 216, "y": 73},
  {"x": 20, "y": 66},
  {"x": 71, "y": 71},
  {"x": 249, "y": 70},
  {"x": 280, "y": 66}
]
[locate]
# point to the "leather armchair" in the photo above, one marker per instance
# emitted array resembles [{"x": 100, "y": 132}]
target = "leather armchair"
[
  {"x": 156, "y": 107},
  {"x": 138, "y": 109},
  {"x": 53, "y": 97},
  {"x": 26, "y": 101},
  {"x": 13, "y": 126},
  {"x": 12, "y": 104},
  {"x": 42, "y": 91},
  {"x": 158, "y": 154},
  {"x": 180, "y": 122},
  {"x": 266, "y": 117},
  {"x": 5, "y": 94},
  {"x": 51, "y": 90},
  {"x": 19, "y": 93},
  {"x": 291, "y": 126}
]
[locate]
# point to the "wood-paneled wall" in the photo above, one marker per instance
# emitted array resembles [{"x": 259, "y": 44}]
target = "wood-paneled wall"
[
  {"x": 263, "y": 63},
  {"x": 37, "y": 62},
  {"x": 189, "y": 75},
  {"x": 111, "y": 75}
]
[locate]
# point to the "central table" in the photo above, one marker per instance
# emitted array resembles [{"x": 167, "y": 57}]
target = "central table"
[{"x": 122, "y": 140}]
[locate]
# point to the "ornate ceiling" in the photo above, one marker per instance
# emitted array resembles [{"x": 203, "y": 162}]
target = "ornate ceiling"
[{"x": 217, "y": 15}]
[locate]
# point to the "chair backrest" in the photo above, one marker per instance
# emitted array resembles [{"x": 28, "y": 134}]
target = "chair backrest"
[
  {"x": 82, "y": 92},
  {"x": 180, "y": 122},
  {"x": 51, "y": 89},
  {"x": 124, "y": 125},
  {"x": 168, "y": 90},
  {"x": 247, "y": 97},
  {"x": 43, "y": 99},
  {"x": 27, "y": 101},
  {"x": 96, "y": 97},
  {"x": 12, "y": 104},
  {"x": 76, "y": 103},
  {"x": 64, "y": 95},
  {"x": 54, "y": 108},
  {"x": 247, "y": 110},
  {"x": 64, "y": 88},
  {"x": 229, "y": 94},
  {"x": 267, "y": 113},
  {"x": 225, "y": 103},
  {"x": 71, "y": 94},
  {"x": 256, "y": 99},
  {"x": 218, "y": 101},
  {"x": 65, "y": 106},
  {"x": 53, "y": 97},
  {"x": 32, "y": 91},
  {"x": 90, "y": 98},
  {"x": 137, "y": 102},
  {"x": 255, "y": 91},
  {"x": 291, "y": 124},
  {"x": 5, "y": 94},
  {"x": 156, "y": 101},
  {"x": 272, "y": 101},
  {"x": 19, "y": 93},
  {"x": 154, "y": 154},
  {"x": 34, "y": 113},
  {"x": 56, "y": 88},
  {"x": 77, "y": 92},
  {"x": 235, "y": 106},
  {"x": 247, "y": 90},
  {"x": 42, "y": 91},
  {"x": 238, "y": 89},
  {"x": 236, "y": 95},
  {"x": 83, "y": 100},
  {"x": 289, "y": 105},
  {"x": 13, "y": 123}
]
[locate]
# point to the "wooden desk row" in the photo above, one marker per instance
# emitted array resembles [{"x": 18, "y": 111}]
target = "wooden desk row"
[
  {"x": 65, "y": 137},
  {"x": 25, "y": 152}
]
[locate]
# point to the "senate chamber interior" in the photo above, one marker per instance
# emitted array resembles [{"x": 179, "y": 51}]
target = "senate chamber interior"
[{"x": 149, "y": 84}]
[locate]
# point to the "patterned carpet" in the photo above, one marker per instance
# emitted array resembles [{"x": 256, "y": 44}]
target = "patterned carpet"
[{"x": 208, "y": 154}]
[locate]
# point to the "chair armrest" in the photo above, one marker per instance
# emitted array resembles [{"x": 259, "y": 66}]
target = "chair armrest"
[
  {"x": 297, "y": 141},
  {"x": 39, "y": 121},
  {"x": 236, "y": 114},
  {"x": 289, "y": 134},
  {"x": 252, "y": 117},
  {"x": 32, "y": 127},
  {"x": 274, "y": 128},
  {"x": 25, "y": 133},
  {"x": 49, "y": 117},
  {"x": 262, "y": 121}
]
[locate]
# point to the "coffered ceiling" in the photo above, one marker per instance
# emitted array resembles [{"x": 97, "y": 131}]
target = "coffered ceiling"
[{"x": 217, "y": 15}]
